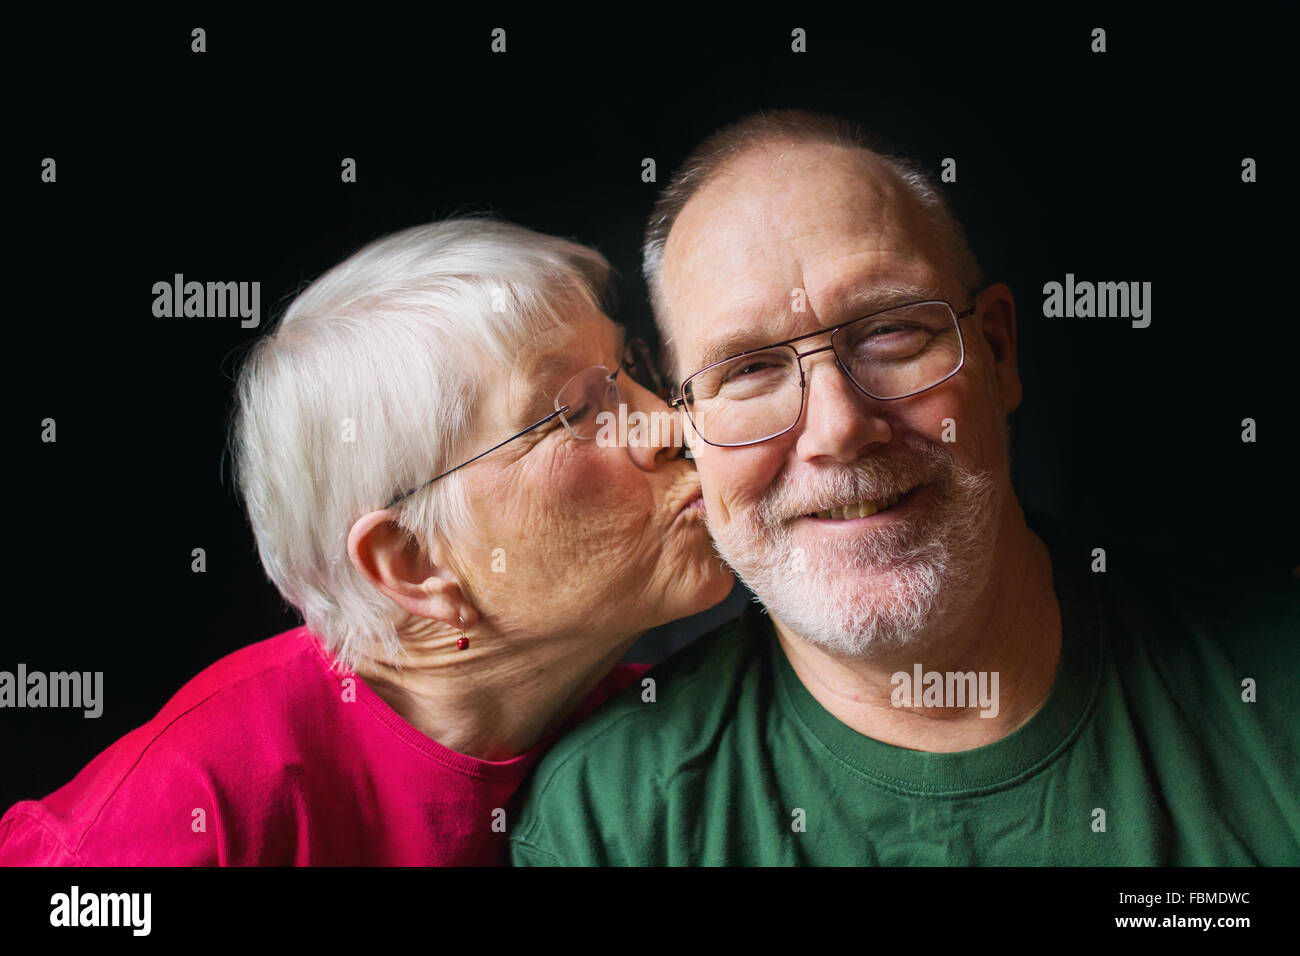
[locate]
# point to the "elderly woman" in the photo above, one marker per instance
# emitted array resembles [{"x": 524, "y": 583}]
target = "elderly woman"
[{"x": 419, "y": 446}]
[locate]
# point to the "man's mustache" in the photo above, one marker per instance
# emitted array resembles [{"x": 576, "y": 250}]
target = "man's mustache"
[{"x": 867, "y": 479}]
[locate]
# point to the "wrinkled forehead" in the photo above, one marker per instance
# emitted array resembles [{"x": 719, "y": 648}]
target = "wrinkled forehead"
[
  {"x": 833, "y": 224},
  {"x": 519, "y": 392}
]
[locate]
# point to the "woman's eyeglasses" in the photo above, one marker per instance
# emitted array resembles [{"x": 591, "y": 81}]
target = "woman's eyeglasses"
[{"x": 578, "y": 404}]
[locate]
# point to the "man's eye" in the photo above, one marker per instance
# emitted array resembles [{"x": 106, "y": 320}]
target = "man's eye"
[{"x": 749, "y": 368}]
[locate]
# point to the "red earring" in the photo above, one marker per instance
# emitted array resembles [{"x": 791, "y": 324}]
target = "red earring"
[{"x": 462, "y": 642}]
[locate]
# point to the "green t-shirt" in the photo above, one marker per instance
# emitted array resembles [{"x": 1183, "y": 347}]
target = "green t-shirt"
[{"x": 736, "y": 763}]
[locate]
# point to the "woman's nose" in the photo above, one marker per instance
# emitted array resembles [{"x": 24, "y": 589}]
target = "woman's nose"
[{"x": 652, "y": 434}]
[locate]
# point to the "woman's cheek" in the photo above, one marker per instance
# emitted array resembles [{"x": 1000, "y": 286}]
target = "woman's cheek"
[
  {"x": 583, "y": 503},
  {"x": 555, "y": 500}
]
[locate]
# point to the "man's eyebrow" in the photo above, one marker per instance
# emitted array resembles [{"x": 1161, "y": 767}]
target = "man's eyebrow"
[
  {"x": 859, "y": 302},
  {"x": 855, "y": 303},
  {"x": 735, "y": 342}
]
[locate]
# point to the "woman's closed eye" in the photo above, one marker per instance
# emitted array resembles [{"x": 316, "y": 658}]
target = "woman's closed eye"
[{"x": 577, "y": 412}]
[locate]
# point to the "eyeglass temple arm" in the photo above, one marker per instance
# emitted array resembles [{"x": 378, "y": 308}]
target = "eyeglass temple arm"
[{"x": 537, "y": 424}]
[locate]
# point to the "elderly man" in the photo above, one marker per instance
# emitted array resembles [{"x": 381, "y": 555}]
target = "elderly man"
[{"x": 934, "y": 681}]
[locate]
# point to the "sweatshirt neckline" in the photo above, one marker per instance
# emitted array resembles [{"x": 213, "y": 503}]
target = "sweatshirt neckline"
[{"x": 1005, "y": 762}]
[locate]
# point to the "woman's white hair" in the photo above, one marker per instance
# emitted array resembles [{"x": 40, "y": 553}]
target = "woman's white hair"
[{"x": 367, "y": 386}]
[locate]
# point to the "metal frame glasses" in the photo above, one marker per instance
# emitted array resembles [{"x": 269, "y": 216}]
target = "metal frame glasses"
[
  {"x": 640, "y": 362},
  {"x": 684, "y": 399}
]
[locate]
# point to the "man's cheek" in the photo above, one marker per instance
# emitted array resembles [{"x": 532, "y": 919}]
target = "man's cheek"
[
  {"x": 716, "y": 512},
  {"x": 738, "y": 504}
]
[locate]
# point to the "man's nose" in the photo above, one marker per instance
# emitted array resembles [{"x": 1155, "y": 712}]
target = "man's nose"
[
  {"x": 840, "y": 422},
  {"x": 658, "y": 438}
]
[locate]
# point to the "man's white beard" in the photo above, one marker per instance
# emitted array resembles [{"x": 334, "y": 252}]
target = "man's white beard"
[{"x": 906, "y": 582}]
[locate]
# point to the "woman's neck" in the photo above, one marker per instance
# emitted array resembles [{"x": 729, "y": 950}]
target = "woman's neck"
[{"x": 497, "y": 698}]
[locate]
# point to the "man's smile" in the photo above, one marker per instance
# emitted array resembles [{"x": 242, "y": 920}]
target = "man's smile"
[{"x": 862, "y": 513}]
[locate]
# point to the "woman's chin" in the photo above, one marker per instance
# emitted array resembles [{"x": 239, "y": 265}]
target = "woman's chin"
[
  {"x": 714, "y": 582},
  {"x": 695, "y": 578},
  {"x": 724, "y": 581}
]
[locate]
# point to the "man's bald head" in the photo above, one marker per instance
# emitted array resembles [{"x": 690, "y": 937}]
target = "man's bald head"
[{"x": 723, "y": 153}]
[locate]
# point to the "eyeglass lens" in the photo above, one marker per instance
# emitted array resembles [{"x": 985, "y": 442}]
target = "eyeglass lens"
[{"x": 760, "y": 395}]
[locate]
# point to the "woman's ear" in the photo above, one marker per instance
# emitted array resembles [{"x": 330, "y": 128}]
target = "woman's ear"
[{"x": 417, "y": 581}]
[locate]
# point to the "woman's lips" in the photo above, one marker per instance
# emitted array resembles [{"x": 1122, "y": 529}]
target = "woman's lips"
[{"x": 693, "y": 505}]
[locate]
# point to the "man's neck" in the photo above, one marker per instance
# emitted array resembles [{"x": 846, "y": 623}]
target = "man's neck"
[
  {"x": 1013, "y": 630},
  {"x": 500, "y": 696}
]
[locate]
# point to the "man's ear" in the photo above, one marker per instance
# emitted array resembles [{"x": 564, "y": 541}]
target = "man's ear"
[
  {"x": 997, "y": 307},
  {"x": 419, "y": 582}
]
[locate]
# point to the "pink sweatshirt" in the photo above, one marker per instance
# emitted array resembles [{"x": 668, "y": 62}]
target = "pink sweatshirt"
[{"x": 266, "y": 758}]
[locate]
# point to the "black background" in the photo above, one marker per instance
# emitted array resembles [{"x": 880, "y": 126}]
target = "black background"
[{"x": 1123, "y": 166}]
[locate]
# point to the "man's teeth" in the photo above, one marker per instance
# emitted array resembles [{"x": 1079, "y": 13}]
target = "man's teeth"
[{"x": 860, "y": 510}]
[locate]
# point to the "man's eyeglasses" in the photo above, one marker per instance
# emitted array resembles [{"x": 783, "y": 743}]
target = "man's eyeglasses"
[
  {"x": 577, "y": 405},
  {"x": 759, "y": 394}
]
